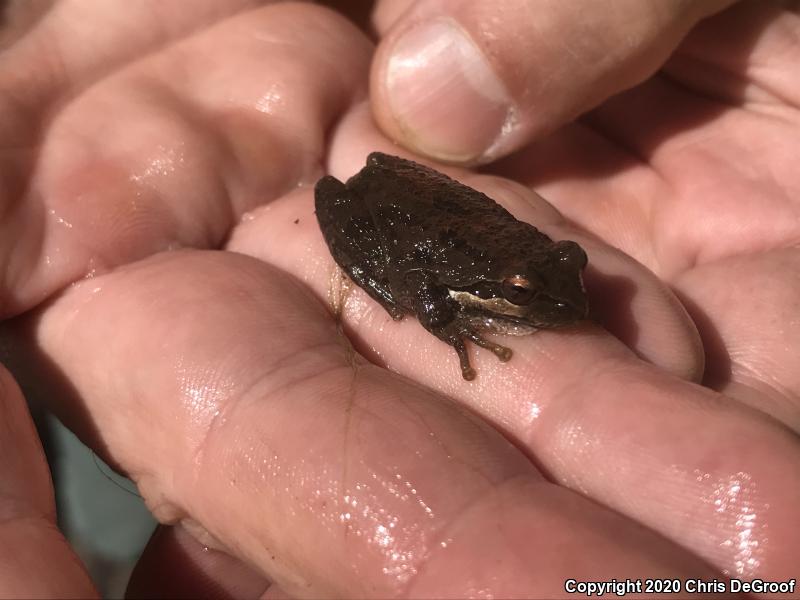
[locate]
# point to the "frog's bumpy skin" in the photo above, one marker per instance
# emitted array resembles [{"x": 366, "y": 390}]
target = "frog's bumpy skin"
[{"x": 420, "y": 242}]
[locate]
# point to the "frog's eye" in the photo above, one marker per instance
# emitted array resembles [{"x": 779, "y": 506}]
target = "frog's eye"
[{"x": 517, "y": 290}]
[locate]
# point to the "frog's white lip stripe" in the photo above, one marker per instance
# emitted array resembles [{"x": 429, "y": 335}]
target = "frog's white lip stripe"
[
  {"x": 517, "y": 316},
  {"x": 495, "y": 305}
]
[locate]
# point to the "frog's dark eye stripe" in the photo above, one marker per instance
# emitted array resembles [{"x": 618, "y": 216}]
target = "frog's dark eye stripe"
[
  {"x": 483, "y": 290},
  {"x": 517, "y": 290}
]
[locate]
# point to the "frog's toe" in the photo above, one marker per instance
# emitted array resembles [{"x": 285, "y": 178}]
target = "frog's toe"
[
  {"x": 501, "y": 352},
  {"x": 467, "y": 372}
]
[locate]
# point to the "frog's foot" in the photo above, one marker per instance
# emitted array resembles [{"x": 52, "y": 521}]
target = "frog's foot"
[
  {"x": 501, "y": 352},
  {"x": 467, "y": 372}
]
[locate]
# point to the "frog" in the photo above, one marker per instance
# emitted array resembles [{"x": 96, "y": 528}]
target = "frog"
[{"x": 420, "y": 243}]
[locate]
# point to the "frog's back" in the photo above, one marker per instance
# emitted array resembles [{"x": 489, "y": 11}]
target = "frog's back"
[
  {"x": 436, "y": 222},
  {"x": 393, "y": 181}
]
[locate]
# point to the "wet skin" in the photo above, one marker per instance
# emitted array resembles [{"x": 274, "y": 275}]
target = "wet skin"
[{"x": 419, "y": 242}]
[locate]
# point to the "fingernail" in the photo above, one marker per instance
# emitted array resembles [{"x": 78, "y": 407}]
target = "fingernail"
[{"x": 444, "y": 93}]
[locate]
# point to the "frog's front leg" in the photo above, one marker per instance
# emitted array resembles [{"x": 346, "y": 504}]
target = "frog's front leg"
[
  {"x": 353, "y": 240},
  {"x": 444, "y": 318}
]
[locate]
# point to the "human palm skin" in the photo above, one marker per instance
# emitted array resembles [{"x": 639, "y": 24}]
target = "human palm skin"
[{"x": 173, "y": 302}]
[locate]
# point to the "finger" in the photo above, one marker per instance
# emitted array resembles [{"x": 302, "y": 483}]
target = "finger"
[
  {"x": 176, "y": 565},
  {"x": 69, "y": 45},
  {"x": 65, "y": 47},
  {"x": 172, "y": 149},
  {"x": 35, "y": 559},
  {"x": 597, "y": 419},
  {"x": 752, "y": 349},
  {"x": 513, "y": 70},
  {"x": 331, "y": 475}
]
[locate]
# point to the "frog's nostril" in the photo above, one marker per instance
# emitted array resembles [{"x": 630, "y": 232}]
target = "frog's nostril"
[{"x": 571, "y": 310}]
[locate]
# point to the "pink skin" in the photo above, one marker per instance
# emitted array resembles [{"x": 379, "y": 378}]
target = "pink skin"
[
  {"x": 466, "y": 81},
  {"x": 219, "y": 380}
]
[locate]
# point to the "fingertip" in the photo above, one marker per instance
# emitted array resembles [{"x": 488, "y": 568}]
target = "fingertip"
[{"x": 437, "y": 92}]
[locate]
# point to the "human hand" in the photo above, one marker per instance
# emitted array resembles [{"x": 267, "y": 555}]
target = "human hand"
[{"x": 634, "y": 435}]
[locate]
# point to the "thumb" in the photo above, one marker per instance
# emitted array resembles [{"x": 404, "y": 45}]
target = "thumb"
[{"x": 469, "y": 81}]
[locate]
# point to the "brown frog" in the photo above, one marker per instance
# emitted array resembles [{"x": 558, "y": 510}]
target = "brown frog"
[{"x": 420, "y": 242}]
